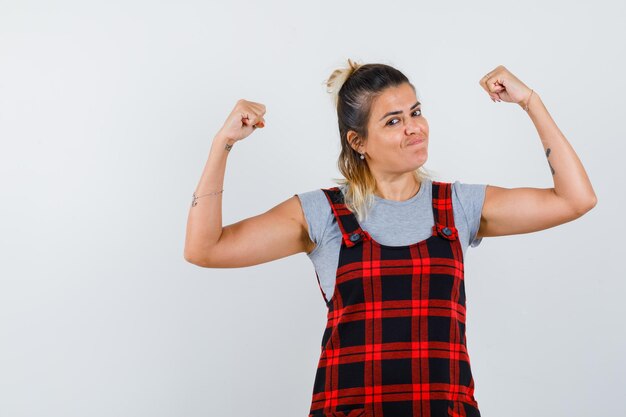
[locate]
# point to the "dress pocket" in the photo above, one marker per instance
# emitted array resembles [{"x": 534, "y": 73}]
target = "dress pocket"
[
  {"x": 460, "y": 408},
  {"x": 355, "y": 412}
]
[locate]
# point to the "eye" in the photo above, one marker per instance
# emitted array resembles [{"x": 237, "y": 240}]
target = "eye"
[{"x": 395, "y": 118}]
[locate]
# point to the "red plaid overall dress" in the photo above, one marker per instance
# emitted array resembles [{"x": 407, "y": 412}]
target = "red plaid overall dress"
[{"x": 394, "y": 344}]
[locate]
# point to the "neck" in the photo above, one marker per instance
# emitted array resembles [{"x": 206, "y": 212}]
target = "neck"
[{"x": 398, "y": 191}]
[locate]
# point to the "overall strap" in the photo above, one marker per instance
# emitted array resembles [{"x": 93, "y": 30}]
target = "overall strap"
[
  {"x": 351, "y": 230},
  {"x": 442, "y": 211}
]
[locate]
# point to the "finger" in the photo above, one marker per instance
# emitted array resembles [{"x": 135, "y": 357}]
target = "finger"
[
  {"x": 258, "y": 121},
  {"x": 248, "y": 116},
  {"x": 253, "y": 120},
  {"x": 493, "y": 87},
  {"x": 492, "y": 84},
  {"x": 490, "y": 78},
  {"x": 256, "y": 108},
  {"x": 253, "y": 111},
  {"x": 246, "y": 120},
  {"x": 260, "y": 108},
  {"x": 484, "y": 82},
  {"x": 484, "y": 79}
]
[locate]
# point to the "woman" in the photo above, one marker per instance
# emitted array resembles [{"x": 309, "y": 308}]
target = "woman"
[{"x": 388, "y": 243}]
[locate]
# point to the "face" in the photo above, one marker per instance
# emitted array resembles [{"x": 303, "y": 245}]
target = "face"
[{"x": 397, "y": 143}]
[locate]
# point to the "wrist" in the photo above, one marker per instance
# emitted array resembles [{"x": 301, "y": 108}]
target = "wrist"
[
  {"x": 527, "y": 101},
  {"x": 223, "y": 141}
]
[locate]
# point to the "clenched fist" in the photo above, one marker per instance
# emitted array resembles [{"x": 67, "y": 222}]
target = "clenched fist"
[
  {"x": 245, "y": 117},
  {"x": 502, "y": 85}
]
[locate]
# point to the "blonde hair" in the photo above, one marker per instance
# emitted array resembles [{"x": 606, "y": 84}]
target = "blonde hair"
[{"x": 353, "y": 90}]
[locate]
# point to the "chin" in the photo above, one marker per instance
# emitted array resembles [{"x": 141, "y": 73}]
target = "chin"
[{"x": 421, "y": 156}]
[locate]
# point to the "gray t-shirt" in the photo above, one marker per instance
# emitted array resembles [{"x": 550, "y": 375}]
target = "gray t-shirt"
[{"x": 389, "y": 222}]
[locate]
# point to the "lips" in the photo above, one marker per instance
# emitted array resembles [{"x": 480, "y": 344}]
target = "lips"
[{"x": 415, "y": 141}]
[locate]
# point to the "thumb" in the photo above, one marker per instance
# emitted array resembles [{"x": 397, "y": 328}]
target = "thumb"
[{"x": 260, "y": 122}]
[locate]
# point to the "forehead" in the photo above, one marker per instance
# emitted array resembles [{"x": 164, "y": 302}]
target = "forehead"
[{"x": 400, "y": 97}]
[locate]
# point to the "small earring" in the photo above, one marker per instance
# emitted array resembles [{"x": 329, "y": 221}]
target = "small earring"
[{"x": 362, "y": 156}]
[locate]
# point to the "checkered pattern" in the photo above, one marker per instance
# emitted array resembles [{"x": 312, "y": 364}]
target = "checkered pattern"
[{"x": 394, "y": 344}]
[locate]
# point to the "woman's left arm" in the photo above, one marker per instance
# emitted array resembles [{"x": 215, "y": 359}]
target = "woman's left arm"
[{"x": 509, "y": 211}]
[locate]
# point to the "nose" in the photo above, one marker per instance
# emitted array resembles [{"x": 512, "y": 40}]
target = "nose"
[{"x": 413, "y": 126}]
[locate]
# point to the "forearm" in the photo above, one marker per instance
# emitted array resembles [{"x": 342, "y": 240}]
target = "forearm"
[
  {"x": 204, "y": 223},
  {"x": 568, "y": 174}
]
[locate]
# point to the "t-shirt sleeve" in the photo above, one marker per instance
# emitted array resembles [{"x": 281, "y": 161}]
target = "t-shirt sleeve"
[
  {"x": 472, "y": 198},
  {"x": 316, "y": 211}
]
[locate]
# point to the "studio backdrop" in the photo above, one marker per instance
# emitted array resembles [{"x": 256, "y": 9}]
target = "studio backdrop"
[{"x": 107, "y": 114}]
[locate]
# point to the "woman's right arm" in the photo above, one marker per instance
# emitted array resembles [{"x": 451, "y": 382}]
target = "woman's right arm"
[{"x": 277, "y": 233}]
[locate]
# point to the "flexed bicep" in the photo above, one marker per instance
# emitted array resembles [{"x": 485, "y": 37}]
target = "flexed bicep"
[
  {"x": 510, "y": 211},
  {"x": 279, "y": 232}
]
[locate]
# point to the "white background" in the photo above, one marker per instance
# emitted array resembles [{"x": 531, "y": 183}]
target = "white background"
[{"x": 107, "y": 112}]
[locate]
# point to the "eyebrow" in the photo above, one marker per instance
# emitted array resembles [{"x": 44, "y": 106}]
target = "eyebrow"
[{"x": 399, "y": 111}]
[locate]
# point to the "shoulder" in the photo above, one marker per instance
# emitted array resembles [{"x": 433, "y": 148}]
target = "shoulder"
[
  {"x": 470, "y": 197},
  {"x": 468, "y": 191},
  {"x": 317, "y": 213},
  {"x": 314, "y": 201}
]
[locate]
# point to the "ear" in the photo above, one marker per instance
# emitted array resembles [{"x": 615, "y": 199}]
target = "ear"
[{"x": 354, "y": 140}]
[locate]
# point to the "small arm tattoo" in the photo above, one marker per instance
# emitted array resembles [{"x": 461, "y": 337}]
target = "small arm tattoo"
[{"x": 547, "y": 156}]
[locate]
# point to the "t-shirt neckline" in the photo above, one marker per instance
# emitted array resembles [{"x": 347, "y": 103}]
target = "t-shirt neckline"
[
  {"x": 379, "y": 200},
  {"x": 419, "y": 193}
]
